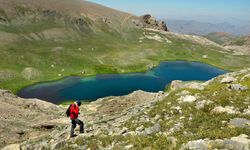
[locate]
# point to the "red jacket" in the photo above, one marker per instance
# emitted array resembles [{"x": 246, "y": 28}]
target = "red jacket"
[{"x": 74, "y": 111}]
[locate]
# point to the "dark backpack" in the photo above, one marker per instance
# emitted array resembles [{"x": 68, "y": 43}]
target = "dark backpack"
[{"x": 68, "y": 111}]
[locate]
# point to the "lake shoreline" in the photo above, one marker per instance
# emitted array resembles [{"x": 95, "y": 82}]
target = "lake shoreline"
[{"x": 152, "y": 80}]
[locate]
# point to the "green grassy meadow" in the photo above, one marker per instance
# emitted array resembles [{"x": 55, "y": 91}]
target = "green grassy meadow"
[{"x": 89, "y": 53}]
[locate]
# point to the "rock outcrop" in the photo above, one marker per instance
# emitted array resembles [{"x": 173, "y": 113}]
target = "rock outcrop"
[
  {"x": 240, "y": 142},
  {"x": 30, "y": 73},
  {"x": 151, "y": 22}
]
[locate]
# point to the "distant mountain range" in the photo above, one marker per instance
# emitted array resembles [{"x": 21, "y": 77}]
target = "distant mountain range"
[{"x": 204, "y": 28}]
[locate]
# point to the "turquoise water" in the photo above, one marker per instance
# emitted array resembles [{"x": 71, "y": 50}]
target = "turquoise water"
[{"x": 91, "y": 88}]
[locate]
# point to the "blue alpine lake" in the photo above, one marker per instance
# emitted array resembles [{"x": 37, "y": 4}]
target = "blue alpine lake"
[{"x": 99, "y": 86}]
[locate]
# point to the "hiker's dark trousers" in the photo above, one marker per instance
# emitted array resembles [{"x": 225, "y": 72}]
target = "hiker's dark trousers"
[{"x": 74, "y": 122}]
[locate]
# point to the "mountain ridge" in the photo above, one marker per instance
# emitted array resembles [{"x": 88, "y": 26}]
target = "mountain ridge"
[{"x": 204, "y": 28}]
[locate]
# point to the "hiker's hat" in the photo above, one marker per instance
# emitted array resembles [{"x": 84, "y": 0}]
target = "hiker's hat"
[{"x": 79, "y": 103}]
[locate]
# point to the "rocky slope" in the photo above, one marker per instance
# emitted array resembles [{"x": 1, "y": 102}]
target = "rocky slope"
[
  {"x": 34, "y": 19},
  {"x": 193, "y": 115},
  {"x": 239, "y": 45}
]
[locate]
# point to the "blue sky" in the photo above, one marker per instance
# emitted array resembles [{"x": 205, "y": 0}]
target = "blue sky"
[{"x": 184, "y": 9}]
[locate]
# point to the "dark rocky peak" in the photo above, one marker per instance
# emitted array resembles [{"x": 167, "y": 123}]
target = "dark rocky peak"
[{"x": 151, "y": 22}]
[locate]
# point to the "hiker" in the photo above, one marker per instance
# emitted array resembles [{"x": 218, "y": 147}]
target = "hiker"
[{"x": 73, "y": 112}]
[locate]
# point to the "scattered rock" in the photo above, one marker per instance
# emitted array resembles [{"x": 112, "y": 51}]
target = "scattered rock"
[
  {"x": 205, "y": 56},
  {"x": 177, "y": 127},
  {"x": 243, "y": 141},
  {"x": 202, "y": 104},
  {"x": 128, "y": 147},
  {"x": 228, "y": 79},
  {"x": 182, "y": 93},
  {"x": 235, "y": 143},
  {"x": 247, "y": 76},
  {"x": 239, "y": 122},
  {"x": 30, "y": 73},
  {"x": 247, "y": 111},
  {"x": 152, "y": 130},
  {"x": 187, "y": 98},
  {"x": 178, "y": 84},
  {"x": 7, "y": 75},
  {"x": 227, "y": 109},
  {"x": 196, "y": 145},
  {"x": 237, "y": 87},
  {"x": 140, "y": 128},
  {"x": 12, "y": 147},
  {"x": 173, "y": 141}
]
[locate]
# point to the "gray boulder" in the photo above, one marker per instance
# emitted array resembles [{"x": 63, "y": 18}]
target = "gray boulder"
[
  {"x": 235, "y": 143},
  {"x": 237, "y": 87},
  {"x": 178, "y": 84},
  {"x": 226, "y": 109},
  {"x": 240, "y": 122},
  {"x": 227, "y": 79},
  {"x": 152, "y": 130},
  {"x": 139, "y": 129},
  {"x": 202, "y": 104}
]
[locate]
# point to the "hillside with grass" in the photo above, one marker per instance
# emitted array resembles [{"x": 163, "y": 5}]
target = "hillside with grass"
[
  {"x": 239, "y": 45},
  {"x": 48, "y": 40}
]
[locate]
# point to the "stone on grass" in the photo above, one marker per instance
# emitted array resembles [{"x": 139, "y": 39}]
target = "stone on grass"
[
  {"x": 128, "y": 147},
  {"x": 152, "y": 130},
  {"x": 247, "y": 111},
  {"x": 240, "y": 122},
  {"x": 202, "y": 104},
  {"x": 182, "y": 93},
  {"x": 187, "y": 98},
  {"x": 235, "y": 143},
  {"x": 243, "y": 139},
  {"x": 140, "y": 128},
  {"x": 228, "y": 79},
  {"x": 227, "y": 109},
  {"x": 237, "y": 87},
  {"x": 247, "y": 76},
  {"x": 173, "y": 141},
  {"x": 178, "y": 84}
]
